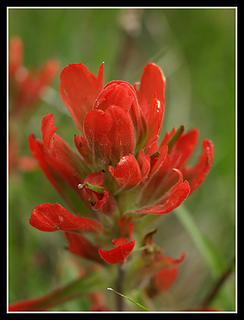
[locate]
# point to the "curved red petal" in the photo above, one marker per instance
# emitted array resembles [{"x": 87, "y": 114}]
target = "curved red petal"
[
  {"x": 58, "y": 149},
  {"x": 82, "y": 247},
  {"x": 184, "y": 145},
  {"x": 154, "y": 120},
  {"x": 127, "y": 172},
  {"x": 52, "y": 217},
  {"x": 197, "y": 174},
  {"x": 119, "y": 254},
  {"x": 171, "y": 200},
  {"x": 144, "y": 162},
  {"x": 79, "y": 89}
]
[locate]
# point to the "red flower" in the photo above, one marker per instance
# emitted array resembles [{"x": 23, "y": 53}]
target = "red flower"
[
  {"x": 165, "y": 277},
  {"x": 121, "y": 125},
  {"x": 119, "y": 168},
  {"x": 27, "y": 86}
]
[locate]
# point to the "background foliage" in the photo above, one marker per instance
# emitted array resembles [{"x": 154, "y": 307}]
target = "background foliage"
[{"x": 196, "y": 50}]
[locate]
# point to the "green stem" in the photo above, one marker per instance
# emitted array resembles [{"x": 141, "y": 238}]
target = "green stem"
[
  {"x": 88, "y": 284},
  {"x": 216, "y": 288},
  {"x": 119, "y": 287}
]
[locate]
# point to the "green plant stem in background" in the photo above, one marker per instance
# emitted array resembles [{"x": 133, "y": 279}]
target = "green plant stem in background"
[
  {"x": 213, "y": 293},
  {"x": 217, "y": 265},
  {"x": 205, "y": 247},
  {"x": 119, "y": 287},
  {"x": 92, "y": 282}
]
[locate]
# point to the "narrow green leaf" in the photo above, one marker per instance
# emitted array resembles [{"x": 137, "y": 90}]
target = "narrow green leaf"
[
  {"x": 130, "y": 299},
  {"x": 175, "y": 137}
]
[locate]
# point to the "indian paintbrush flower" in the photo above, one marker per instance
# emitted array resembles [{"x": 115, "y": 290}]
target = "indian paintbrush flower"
[{"x": 120, "y": 173}]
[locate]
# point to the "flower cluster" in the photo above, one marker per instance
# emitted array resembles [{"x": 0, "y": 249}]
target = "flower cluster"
[
  {"x": 120, "y": 174},
  {"x": 27, "y": 85},
  {"x": 25, "y": 89}
]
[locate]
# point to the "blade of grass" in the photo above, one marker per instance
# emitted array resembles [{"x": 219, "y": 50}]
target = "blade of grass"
[{"x": 128, "y": 298}]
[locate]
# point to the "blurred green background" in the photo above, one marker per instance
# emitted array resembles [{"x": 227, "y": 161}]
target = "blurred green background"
[{"x": 196, "y": 50}]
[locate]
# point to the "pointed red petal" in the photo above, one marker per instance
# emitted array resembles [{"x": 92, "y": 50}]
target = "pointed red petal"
[
  {"x": 97, "y": 124},
  {"x": 52, "y": 217},
  {"x": 79, "y": 89},
  {"x": 167, "y": 137},
  {"x": 121, "y": 134},
  {"x": 152, "y": 85},
  {"x": 144, "y": 162},
  {"x": 197, "y": 174},
  {"x": 58, "y": 148},
  {"x": 127, "y": 172},
  {"x": 154, "y": 121},
  {"x": 82, "y": 247},
  {"x": 165, "y": 277},
  {"x": 118, "y": 254},
  {"x": 172, "y": 199},
  {"x": 184, "y": 145}
]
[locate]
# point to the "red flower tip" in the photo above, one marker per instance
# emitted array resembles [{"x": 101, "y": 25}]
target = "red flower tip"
[
  {"x": 127, "y": 172},
  {"x": 197, "y": 174},
  {"x": 119, "y": 254},
  {"x": 79, "y": 89},
  {"x": 15, "y": 55},
  {"x": 166, "y": 276},
  {"x": 52, "y": 217}
]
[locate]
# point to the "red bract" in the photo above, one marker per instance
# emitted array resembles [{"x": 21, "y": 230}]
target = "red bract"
[
  {"x": 165, "y": 277},
  {"x": 118, "y": 254},
  {"x": 82, "y": 247},
  {"x": 52, "y": 217},
  {"x": 79, "y": 89}
]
